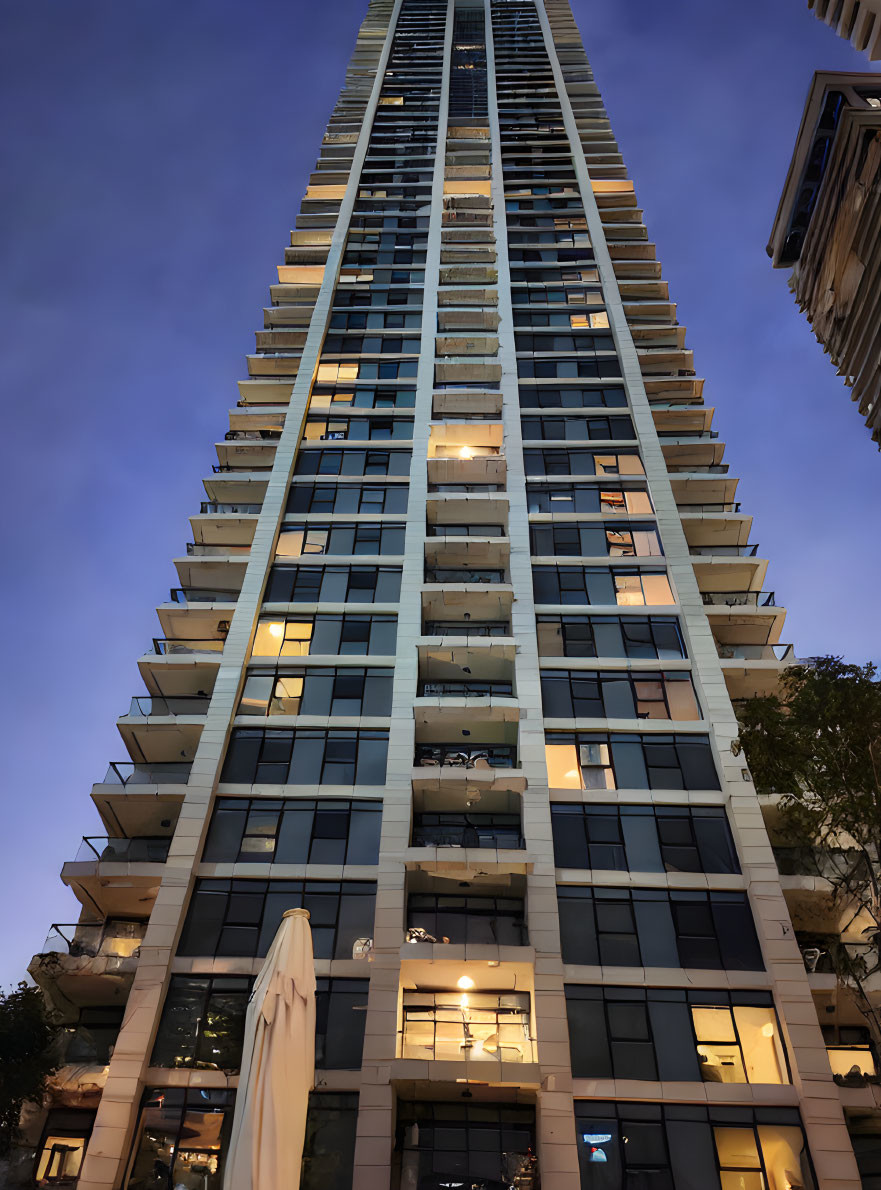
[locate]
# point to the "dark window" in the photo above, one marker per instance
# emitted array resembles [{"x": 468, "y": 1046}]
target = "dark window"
[
  {"x": 581, "y": 462},
  {"x": 576, "y": 429},
  {"x": 620, "y": 760},
  {"x": 674, "y": 1035},
  {"x": 293, "y": 831},
  {"x": 610, "y": 636},
  {"x": 630, "y": 497},
  {"x": 182, "y": 1139},
  {"x": 475, "y": 921},
  {"x": 542, "y": 397},
  {"x": 333, "y": 584},
  {"x": 353, "y": 462},
  {"x": 618, "y": 694},
  {"x": 646, "y": 1146},
  {"x": 329, "y": 1147},
  {"x": 643, "y": 838},
  {"x": 241, "y": 917},
  {"x": 595, "y": 539},
  {"x": 347, "y": 497},
  {"x": 656, "y": 928},
  {"x": 317, "y": 690},
  {"x": 203, "y": 1022},
  {"x": 455, "y": 1143},
  {"x": 304, "y": 540},
  {"x": 306, "y": 757}
]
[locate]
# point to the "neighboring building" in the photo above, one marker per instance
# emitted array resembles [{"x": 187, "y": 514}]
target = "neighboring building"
[
  {"x": 828, "y": 227},
  {"x": 450, "y": 664},
  {"x": 858, "y": 21}
]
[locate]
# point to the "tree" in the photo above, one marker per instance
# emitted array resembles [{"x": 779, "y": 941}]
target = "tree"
[
  {"x": 26, "y": 1035},
  {"x": 817, "y": 744}
]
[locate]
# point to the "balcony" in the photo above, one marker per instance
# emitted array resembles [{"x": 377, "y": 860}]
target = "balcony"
[
  {"x": 469, "y": 452},
  {"x": 471, "y": 830},
  {"x": 462, "y": 546},
  {"x": 215, "y": 567},
  {"x": 778, "y": 654},
  {"x": 471, "y": 1027},
  {"x": 164, "y": 646},
  {"x": 106, "y": 849},
  {"x": 466, "y": 689},
  {"x": 468, "y": 576},
  {"x": 753, "y": 671},
  {"x": 476, "y": 757},
  {"x": 119, "y": 877},
  {"x": 163, "y": 729},
  {"x": 88, "y": 963},
  {"x": 130, "y": 773}
]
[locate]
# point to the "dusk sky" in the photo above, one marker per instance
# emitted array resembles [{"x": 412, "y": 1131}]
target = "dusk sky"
[{"x": 152, "y": 159}]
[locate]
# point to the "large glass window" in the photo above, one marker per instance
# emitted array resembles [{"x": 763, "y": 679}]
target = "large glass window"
[
  {"x": 601, "y": 585},
  {"x": 241, "y": 917},
  {"x": 643, "y": 927},
  {"x": 621, "y": 760},
  {"x": 353, "y": 462},
  {"x": 610, "y": 636},
  {"x": 624, "y": 1145},
  {"x": 594, "y": 540},
  {"x": 306, "y": 757},
  {"x": 464, "y": 1144},
  {"x": 297, "y": 541},
  {"x": 472, "y": 920},
  {"x": 293, "y": 831},
  {"x": 477, "y": 1026},
  {"x": 182, "y": 1139},
  {"x": 576, "y": 429},
  {"x": 618, "y": 694},
  {"x": 643, "y": 838},
  {"x": 333, "y": 584},
  {"x": 629, "y": 499},
  {"x": 674, "y": 1035},
  {"x": 347, "y": 635},
  {"x": 317, "y": 690},
  {"x": 62, "y": 1146},
  {"x": 347, "y": 497},
  {"x": 582, "y": 462},
  {"x": 329, "y": 1147}
]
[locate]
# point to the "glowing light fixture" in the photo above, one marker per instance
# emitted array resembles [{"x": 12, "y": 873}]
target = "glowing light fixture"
[
  {"x": 466, "y": 453},
  {"x": 768, "y": 1030},
  {"x": 465, "y": 982},
  {"x": 276, "y": 629}
]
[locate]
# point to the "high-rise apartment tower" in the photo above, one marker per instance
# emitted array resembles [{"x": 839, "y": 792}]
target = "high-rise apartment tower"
[{"x": 451, "y": 665}]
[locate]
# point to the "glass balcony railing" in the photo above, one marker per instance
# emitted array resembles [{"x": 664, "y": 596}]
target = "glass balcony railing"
[
  {"x": 203, "y": 595},
  {"x": 755, "y": 652},
  {"x": 738, "y": 598},
  {"x": 164, "y": 647},
  {"x": 466, "y": 690},
  {"x": 724, "y": 551},
  {"x": 146, "y": 704},
  {"x": 214, "y": 508},
  {"x": 126, "y": 772},
  {"x": 113, "y": 938},
  {"x": 466, "y": 628},
  {"x": 196, "y": 549},
  {"x": 833, "y": 863},
  {"x": 465, "y": 575},
  {"x": 477, "y": 756},
  {"x": 492, "y": 831},
  {"x": 143, "y": 849}
]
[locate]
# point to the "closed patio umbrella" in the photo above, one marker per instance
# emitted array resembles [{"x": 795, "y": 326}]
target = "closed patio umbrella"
[{"x": 278, "y": 1065}]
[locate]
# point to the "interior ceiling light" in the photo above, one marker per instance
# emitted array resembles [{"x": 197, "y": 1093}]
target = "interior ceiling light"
[{"x": 465, "y": 982}]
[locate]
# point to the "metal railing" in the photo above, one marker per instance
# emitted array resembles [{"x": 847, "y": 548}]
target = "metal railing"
[
  {"x": 465, "y": 575},
  {"x": 141, "y": 850},
  {"x": 203, "y": 595},
  {"x": 143, "y": 705},
  {"x": 213, "y": 507},
  {"x": 469, "y": 833},
  {"x": 173, "y": 772},
  {"x": 738, "y": 598},
  {"x": 478, "y": 756},
  {"x": 492, "y": 531}
]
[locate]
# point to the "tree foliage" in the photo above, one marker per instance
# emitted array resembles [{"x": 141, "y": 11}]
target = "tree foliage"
[
  {"x": 26, "y": 1062},
  {"x": 817, "y": 744}
]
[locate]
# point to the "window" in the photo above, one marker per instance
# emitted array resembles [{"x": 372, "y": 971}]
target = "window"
[
  {"x": 298, "y": 636},
  {"x": 671, "y": 1035},
  {"x": 316, "y": 690},
  {"x": 477, "y": 1026},
  {"x": 306, "y": 757},
  {"x": 62, "y": 1146},
  {"x": 297, "y": 540},
  {"x": 579, "y": 366},
  {"x": 643, "y": 838},
  {"x": 618, "y": 694},
  {"x": 203, "y": 1022},
  {"x": 457, "y": 829},
  {"x": 182, "y": 1138},
  {"x": 643, "y": 927},
  {"x": 458, "y": 1143},
  {"x": 595, "y": 760},
  {"x": 343, "y": 498},
  {"x": 293, "y": 831},
  {"x": 577, "y": 429},
  {"x": 472, "y": 920},
  {"x": 329, "y": 1147},
  {"x": 610, "y": 636},
  {"x": 601, "y": 585},
  {"x": 635, "y": 540},
  {"x": 642, "y": 1144},
  {"x": 241, "y": 917},
  {"x": 333, "y": 584},
  {"x": 581, "y": 462},
  {"x": 553, "y": 397},
  {"x": 91, "y": 1040},
  {"x": 353, "y": 462},
  {"x": 629, "y": 499}
]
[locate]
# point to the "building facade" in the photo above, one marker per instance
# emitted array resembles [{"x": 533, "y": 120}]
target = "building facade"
[
  {"x": 827, "y": 227},
  {"x": 451, "y": 665},
  {"x": 857, "y": 21}
]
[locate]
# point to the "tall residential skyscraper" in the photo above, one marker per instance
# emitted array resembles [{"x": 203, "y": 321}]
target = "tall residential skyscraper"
[{"x": 450, "y": 665}]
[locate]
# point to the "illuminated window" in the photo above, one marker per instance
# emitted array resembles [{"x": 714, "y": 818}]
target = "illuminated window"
[
  {"x": 477, "y": 1026},
  {"x": 283, "y": 638},
  {"x": 391, "y": 101},
  {"x": 60, "y": 1153}
]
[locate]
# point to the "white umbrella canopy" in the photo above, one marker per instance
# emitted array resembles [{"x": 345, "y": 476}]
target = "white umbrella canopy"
[{"x": 278, "y": 1065}]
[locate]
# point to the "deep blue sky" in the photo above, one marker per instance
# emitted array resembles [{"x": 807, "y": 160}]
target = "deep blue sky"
[{"x": 152, "y": 157}]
